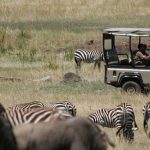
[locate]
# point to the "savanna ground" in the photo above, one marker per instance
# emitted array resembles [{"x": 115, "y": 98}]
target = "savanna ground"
[{"x": 38, "y": 38}]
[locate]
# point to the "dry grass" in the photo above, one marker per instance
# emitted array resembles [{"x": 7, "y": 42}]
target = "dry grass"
[
  {"x": 25, "y": 10},
  {"x": 87, "y": 96},
  {"x": 52, "y": 24},
  {"x": 65, "y": 24}
]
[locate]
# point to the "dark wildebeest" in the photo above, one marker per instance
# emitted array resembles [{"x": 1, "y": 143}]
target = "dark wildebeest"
[
  {"x": 7, "y": 138},
  {"x": 70, "y": 134}
]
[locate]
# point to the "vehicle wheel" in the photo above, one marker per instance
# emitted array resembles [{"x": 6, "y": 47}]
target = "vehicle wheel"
[{"x": 131, "y": 87}]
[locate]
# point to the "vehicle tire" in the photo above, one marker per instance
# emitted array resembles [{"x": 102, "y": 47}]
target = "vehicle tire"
[{"x": 131, "y": 88}]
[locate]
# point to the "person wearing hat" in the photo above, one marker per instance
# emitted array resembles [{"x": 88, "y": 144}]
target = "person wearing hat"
[{"x": 142, "y": 57}]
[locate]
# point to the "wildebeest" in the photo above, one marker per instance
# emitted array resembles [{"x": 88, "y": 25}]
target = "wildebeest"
[
  {"x": 7, "y": 138},
  {"x": 71, "y": 134}
]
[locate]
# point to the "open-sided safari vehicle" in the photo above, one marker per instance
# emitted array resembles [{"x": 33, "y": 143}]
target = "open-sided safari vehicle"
[{"x": 120, "y": 46}]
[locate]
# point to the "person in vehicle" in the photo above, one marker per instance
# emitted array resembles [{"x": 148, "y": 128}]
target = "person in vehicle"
[{"x": 142, "y": 57}]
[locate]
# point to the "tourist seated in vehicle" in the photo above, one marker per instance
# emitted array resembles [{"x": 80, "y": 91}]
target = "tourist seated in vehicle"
[{"x": 142, "y": 57}]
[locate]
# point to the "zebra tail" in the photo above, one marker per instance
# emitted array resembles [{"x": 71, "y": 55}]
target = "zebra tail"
[
  {"x": 135, "y": 125},
  {"x": 78, "y": 63}
]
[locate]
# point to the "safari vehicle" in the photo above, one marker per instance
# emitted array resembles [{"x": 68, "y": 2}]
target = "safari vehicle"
[{"x": 120, "y": 46}]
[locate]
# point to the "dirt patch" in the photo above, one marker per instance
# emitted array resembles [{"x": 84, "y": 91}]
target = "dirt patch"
[{"x": 71, "y": 77}]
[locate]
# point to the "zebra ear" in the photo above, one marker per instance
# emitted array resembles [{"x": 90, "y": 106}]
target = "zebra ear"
[{"x": 2, "y": 109}]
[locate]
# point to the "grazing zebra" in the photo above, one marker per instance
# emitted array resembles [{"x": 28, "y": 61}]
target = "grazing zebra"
[
  {"x": 65, "y": 105},
  {"x": 18, "y": 117},
  {"x": 28, "y": 106},
  {"x": 146, "y": 113},
  {"x": 122, "y": 117},
  {"x": 88, "y": 56}
]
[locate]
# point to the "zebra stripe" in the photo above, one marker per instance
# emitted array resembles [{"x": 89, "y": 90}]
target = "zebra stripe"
[
  {"x": 30, "y": 106},
  {"x": 146, "y": 114},
  {"x": 122, "y": 117},
  {"x": 88, "y": 56},
  {"x": 65, "y": 105},
  {"x": 18, "y": 117}
]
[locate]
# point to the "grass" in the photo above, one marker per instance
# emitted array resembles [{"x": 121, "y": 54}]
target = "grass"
[
  {"x": 44, "y": 28},
  {"x": 58, "y": 24},
  {"x": 88, "y": 95}
]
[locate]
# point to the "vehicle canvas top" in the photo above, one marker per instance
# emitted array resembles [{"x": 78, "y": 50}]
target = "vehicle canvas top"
[{"x": 128, "y": 31}]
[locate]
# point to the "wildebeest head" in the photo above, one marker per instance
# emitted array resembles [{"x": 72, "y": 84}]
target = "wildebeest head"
[
  {"x": 7, "y": 139},
  {"x": 75, "y": 133}
]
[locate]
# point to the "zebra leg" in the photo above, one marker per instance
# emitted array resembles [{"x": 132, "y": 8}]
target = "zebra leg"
[
  {"x": 149, "y": 134},
  {"x": 119, "y": 130},
  {"x": 95, "y": 65},
  {"x": 99, "y": 66},
  {"x": 135, "y": 125},
  {"x": 145, "y": 123},
  {"x": 78, "y": 63}
]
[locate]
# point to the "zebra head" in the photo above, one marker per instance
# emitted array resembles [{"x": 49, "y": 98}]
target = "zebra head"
[
  {"x": 128, "y": 133},
  {"x": 70, "y": 108},
  {"x": 3, "y": 111}
]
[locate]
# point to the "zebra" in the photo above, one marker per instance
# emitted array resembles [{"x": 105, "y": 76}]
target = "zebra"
[
  {"x": 18, "y": 117},
  {"x": 146, "y": 114},
  {"x": 64, "y": 105},
  {"x": 122, "y": 117},
  {"x": 28, "y": 106},
  {"x": 88, "y": 56}
]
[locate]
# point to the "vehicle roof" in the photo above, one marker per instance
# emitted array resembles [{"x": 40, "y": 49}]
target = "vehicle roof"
[{"x": 128, "y": 31}]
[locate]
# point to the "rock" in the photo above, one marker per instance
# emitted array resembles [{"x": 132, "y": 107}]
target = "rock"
[{"x": 46, "y": 78}]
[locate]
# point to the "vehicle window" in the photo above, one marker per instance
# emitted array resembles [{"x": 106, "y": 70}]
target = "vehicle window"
[
  {"x": 123, "y": 49},
  {"x": 122, "y": 45},
  {"x": 108, "y": 44}
]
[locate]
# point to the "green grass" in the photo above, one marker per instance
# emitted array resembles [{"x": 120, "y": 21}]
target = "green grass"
[{"x": 82, "y": 87}]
